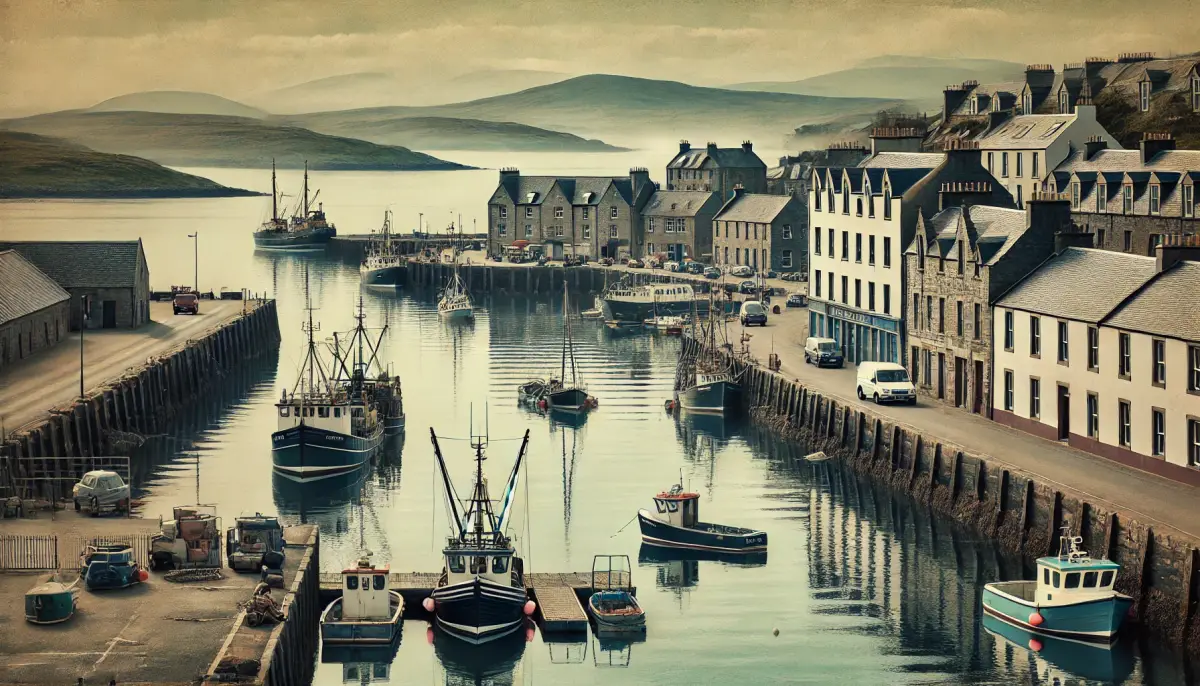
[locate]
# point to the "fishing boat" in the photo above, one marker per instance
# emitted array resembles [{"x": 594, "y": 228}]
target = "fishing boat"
[
  {"x": 369, "y": 377},
  {"x": 624, "y": 303},
  {"x": 368, "y": 611},
  {"x": 563, "y": 394},
  {"x": 532, "y": 391},
  {"x": 382, "y": 264},
  {"x": 308, "y": 230},
  {"x": 705, "y": 378},
  {"x": 676, "y": 524},
  {"x": 597, "y": 310},
  {"x": 455, "y": 301},
  {"x": 104, "y": 567},
  {"x": 329, "y": 423},
  {"x": 481, "y": 594},
  {"x": 612, "y": 604},
  {"x": 1072, "y": 596},
  {"x": 254, "y": 542},
  {"x": 51, "y": 602},
  {"x": 668, "y": 324}
]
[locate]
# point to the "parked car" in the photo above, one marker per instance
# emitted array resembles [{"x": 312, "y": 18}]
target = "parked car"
[
  {"x": 791, "y": 276},
  {"x": 748, "y": 287},
  {"x": 753, "y": 312},
  {"x": 653, "y": 263},
  {"x": 823, "y": 352},
  {"x": 542, "y": 261},
  {"x": 797, "y": 300},
  {"x": 606, "y": 261},
  {"x": 99, "y": 491},
  {"x": 635, "y": 263},
  {"x": 572, "y": 261},
  {"x": 712, "y": 273},
  {"x": 671, "y": 266},
  {"x": 730, "y": 288},
  {"x": 186, "y": 303},
  {"x": 742, "y": 271},
  {"x": 771, "y": 274},
  {"x": 695, "y": 267},
  {"x": 885, "y": 382}
]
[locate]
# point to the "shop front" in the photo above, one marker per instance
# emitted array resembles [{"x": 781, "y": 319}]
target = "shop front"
[{"x": 862, "y": 336}]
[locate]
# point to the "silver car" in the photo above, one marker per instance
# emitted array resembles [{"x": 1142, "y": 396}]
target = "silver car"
[{"x": 99, "y": 491}]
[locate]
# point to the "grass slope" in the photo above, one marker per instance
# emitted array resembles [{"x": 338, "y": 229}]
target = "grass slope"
[
  {"x": 177, "y": 102},
  {"x": 34, "y": 166},
  {"x": 197, "y": 140}
]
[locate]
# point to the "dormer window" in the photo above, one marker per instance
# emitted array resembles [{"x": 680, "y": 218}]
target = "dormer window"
[
  {"x": 1026, "y": 103},
  {"x": 1155, "y": 203},
  {"x": 858, "y": 206},
  {"x": 817, "y": 200},
  {"x": 1144, "y": 96},
  {"x": 1101, "y": 198},
  {"x": 1189, "y": 201},
  {"x": 974, "y": 105},
  {"x": 1196, "y": 93},
  {"x": 1064, "y": 101},
  {"x": 845, "y": 198},
  {"x": 887, "y": 204},
  {"x": 1127, "y": 199},
  {"x": 829, "y": 198},
  {"x": 1075, "y": 195}
]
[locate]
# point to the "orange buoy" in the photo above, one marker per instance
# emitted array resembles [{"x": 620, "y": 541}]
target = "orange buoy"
[
  {"x": 1035, "y": 645},
  {"x": 143, "y": 575},
  {"x": 1036, "y": 619}
]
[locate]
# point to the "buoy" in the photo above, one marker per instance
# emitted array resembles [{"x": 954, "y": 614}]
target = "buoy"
[
  {"x": 775, "y": 632},
  {"x": 530, "y": 606},
  {"x": 428, "y": 604},
  {"x": 529, "y": 634},
  {"x": 1035, "y": 645},
  {"x": 429, "y": 635},
  {"x": 143, "y": 575},
  {"x": 1036, "y": 619}
]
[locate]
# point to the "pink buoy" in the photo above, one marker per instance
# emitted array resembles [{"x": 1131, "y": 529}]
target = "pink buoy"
[
  {"x": 428, "y": 604},
  {"x": 529, "y": 634},
  {"x": 1035, "y": 645},
  {"x": 429, "y": 635},
  {"x": 1036, "y": 619},
  {"x": 530, "y": 606}
]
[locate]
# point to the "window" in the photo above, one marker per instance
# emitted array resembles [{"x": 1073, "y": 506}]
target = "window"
[
  {"x": 1057, "y": 579},
  {"x": 529, "y": 230},
  {"x": 1035, "y": 336},
  {"x": 941, "y": 263},
  {"x": 558, "y": 213},
  {"x": 1072, "y": 580},
  {"x": 650, "y": 225},
  {"x": 612, "y": 230},
  {"x": 1008, "y": 390},
  {"x": 941, "y": 315},
  {"x": 817, "y": 282},
  {"x": 1100, "y": 238},
  {"x": 817, "y": 200},
  {"x": 1194, "y": 368},
  {"x": 587, "y": 230},
  {"x": 858, "y": 248},
  {"x": 1123, "y": 361},
  {"x": 1064, "y": 101},
  {"x": 871, "y": 206},
  {"x": 379, "y": 582},
  {"x": 871, "y": 250},
  {"x": 960, "y": 258},
  {"x": 977, "y": 328},
  {"x": 845, "y": 290},
  {"x": 785, "y": 260},
  {"x": 479, "y": 564},
  {"x": 1144, "y": 92},
  {"x": 587, "y": 211},
  {"x": 500, "y": 564},
  {"x": 1196, "y": 93},
  {"x": 916, "y": 364},
  {"x": 1033, "y": 168},
  {"x": 1189, "y": 201},
  {"x": 1101, "y": 197},
  {"x": 1127, "y": 199},
  {"x": 845, "y": 245},
  {"x": 1158, "y": 437},
  {"x": 887, "y": 251},
  {"x": 670, "y": 225},
  {"x": 737, "y": 230},
  {"x": 990, "y": 158},
  {"x": 831, "y": 255},
  {"x": 958, "y": 311},
  {"x": 858, "y": 293},
  {"x": 817, "y": 241},
  {"x": 1093, "y": 349},
  {"x": 1155, "y": 205},
  {"x": 1194, "y": 442},
  {"x": 858, "y": 207},
  {"x": 887, "y": 299},
  {"x": 831, "y": 296},
  {"x": 1019, "y": 158},
  {"x": 1074, "y": 195},
  {"x": 1045, "y": 576},
  {"x": 1064, "y": 353},
  {"x": 529, "y": 213},
  {"x": 1004, "y": 165},
  {"x": 1035, "y": 398},
  {"x": 612, "y": 212},
  {"x": 558, "y": 231},
  {"x": 845, "y": 198},
  {"x": 829, "y": 200},
  {"x": 887, "y": 205},
  {"x": 351, "y": 583},
  {"x": 1093, "y": 416},
  {"x": 916, "y": 312},
  {"x": 1123, "y": 428},
  {"x": 501, "y": 229},
  {"x": 503, "y": 212},
  {"x": 787, "y": 232},
  {"x": 1106, "y": 579},
  {"x": 929, "y": 312},
  {"x": 284, "y": 411},
  {"x": 1160, "y": 361}
]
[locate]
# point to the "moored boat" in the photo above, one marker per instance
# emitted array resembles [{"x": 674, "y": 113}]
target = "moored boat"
[
  {"x": 568, "y": 393},
  {"x": 382, "y": 264},
  {"x": 368, "y": 611},
  {"x": 1064, "y": 660},
  {"x": 676, "y": 524},
  {"x": 51, "y": 602},
  {"x": 254, "y": 542},
  {"x": 627, "y": 304},
  {"x": 704, "y": 377},
  {"x": 1072, "y": 597},
  {"x": 612, "y": 604},
  {"x": 308, "y": 230},
  {"x": 532, "y": 391}
]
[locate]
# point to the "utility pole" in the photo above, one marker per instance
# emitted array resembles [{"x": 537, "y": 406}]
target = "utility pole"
[
  {"x": 196, "y": 263},
  {"x": 85, "y": 306}
]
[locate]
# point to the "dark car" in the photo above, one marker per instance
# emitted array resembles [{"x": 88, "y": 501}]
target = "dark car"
[
  {"x": 186, "y": 303},
  {"x": 771, "y": 274},
  {"x": 753, "y": 312},
  {"x": 606, "y": 261},
  {"x": 712, "y": 273},
  {"x": 748, "y": 287},
  {"x": 730, "y": 288},
  {"x": 695, "y": 268},
  {"x": 796, "y": 300}
]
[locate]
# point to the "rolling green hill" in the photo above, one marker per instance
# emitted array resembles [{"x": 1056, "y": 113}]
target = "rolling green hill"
[
  {"x": 34, "y": 166},
  {"x": 197, "y": 140},
  {"x": 177, "y": 102}
]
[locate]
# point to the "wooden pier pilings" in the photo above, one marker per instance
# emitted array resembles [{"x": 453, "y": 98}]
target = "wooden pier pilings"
[{"x": 1158, "y": 570}]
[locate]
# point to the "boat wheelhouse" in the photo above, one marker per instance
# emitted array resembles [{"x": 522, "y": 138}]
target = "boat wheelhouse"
[
  {"x": 1072, "y": 597},
  {"x": 675, "y": 523},
  {"x": 368, "y": 612}
]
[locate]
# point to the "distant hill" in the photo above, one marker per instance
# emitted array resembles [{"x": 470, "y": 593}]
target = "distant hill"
[
  {"x": 448, "y": 133},
  {"x": 197, "y": 140},
  {"x": 177, "y": 102},
  {"x": 617, "y": 107},
  {"x": 39, "y": 167},
  {"x": 893, "y": 76},
  {"x": 380, "y": 89}
]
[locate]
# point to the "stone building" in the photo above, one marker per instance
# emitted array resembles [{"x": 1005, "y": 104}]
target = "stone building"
[
  {"x": 1131, "y": 199},
  {"x": 1111, "y": 365},
  {"x": 794, "y": 172},
  {"x": 598, "y": 216},
  {"x": 113, "y": 274},
  {"x": 34, "y": 310},
  {"x": 678, "y": 224},
  {"x": 759, "y": 230},
  {"x": 959, "y": 262},
  {"x": 717, "y": 169}
]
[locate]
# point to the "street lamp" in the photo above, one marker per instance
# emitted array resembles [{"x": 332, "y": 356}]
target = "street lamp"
[{"x": 196, "y": 263}]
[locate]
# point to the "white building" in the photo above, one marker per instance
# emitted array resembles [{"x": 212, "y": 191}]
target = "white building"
[
  {"x": 1022, "y": 152},
  {"x": 1102, "y": 350}
]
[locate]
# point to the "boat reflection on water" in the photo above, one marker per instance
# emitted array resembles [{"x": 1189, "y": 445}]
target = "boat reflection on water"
[
  {"x": 1060, "y": 660},
  {"x": 650, "y": 554},
  {"x": 492, "y": 663},
  {"x": 689, "y": 426},
  {"x": 324, "y": 502},
  {"x": 363, "y": 664},
  {"x": 614, "y": 651}
]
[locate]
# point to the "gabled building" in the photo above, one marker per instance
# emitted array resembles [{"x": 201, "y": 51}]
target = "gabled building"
[
  {"x": 679, "y": 224},
  {"x": 761, "y": 231},
  {"x": 714, "y": 169},
  {"x": 599, "y": 216},
  {"x": 1131, "y": 199},
  {"x": 34, "y": 310}
]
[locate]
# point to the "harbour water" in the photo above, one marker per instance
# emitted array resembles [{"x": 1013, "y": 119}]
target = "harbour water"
[{"x": 862, "y": 585}]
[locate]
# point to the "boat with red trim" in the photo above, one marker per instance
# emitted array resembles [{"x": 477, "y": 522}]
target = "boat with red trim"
[{"x": 676, "y": 524}]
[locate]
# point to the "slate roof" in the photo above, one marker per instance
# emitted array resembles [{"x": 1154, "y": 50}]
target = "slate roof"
[
  {"x": 904, "y": 160},
  {"x": 753, "y": 207},
  {"x": 1027, "y": 131},
  {"x": 83, "y": 264},
  {"x": 1131, "y": 160},
  {"x": 1163, "y": 307},
  {"x": 24, "y": 289},
  {"x": 677, "y": 203},
  {"x": 575, "y": 188},
  {"x": 722, "y": 157},
  {"x": 1083, "y": 284},
  {"x": 991, "y": 231}
]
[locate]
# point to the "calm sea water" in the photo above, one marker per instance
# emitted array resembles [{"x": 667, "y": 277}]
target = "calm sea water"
[{"x": 863, "y": 586}]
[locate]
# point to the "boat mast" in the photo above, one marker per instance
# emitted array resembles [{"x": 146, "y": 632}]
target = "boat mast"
[
  {"x": 274, "y": 195},
  {"x": 451, "y": 496},
  {"x": 306, "y": 189}
]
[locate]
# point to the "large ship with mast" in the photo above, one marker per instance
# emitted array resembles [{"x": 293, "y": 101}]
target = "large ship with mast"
[
  {"x": 705, "y": 380},
  {"x": 382, "y": 264},
  {"x": 625, "y": 303},
  {"x": 455, "y": 301},
  {"x": 307, "y": 230},
  {"x": 481, "y": 594}
]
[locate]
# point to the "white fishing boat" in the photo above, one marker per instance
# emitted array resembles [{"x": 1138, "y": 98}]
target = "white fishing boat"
[
  {"x": 455, "y": 302},
  {"x": 382, "y": 264}
]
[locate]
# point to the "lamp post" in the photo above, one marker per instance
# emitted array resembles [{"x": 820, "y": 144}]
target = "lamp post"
[{"x": 196, "y": 263}]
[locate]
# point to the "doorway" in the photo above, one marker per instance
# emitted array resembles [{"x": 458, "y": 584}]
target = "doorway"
[
  {"x": 977, "y": 403},
  {"x": 110, "y": 314},
  {"x": 1064, "y": 413},
  {"x": 960, "y": 381},
  {"x": 941, "y": 376}
]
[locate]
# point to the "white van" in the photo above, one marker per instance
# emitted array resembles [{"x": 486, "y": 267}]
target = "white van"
[{"x": 885, "y": 382}]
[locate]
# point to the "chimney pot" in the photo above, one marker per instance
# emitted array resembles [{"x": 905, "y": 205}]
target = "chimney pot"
[
  {"x": 1154, "y": 143},
  {"x": 684, "y": 146}
]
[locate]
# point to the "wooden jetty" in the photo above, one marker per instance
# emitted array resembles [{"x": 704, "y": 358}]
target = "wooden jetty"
[{"x": 559, "y": 596}]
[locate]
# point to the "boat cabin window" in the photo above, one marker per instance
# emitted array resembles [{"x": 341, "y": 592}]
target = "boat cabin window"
[
  {"x": 1089, "y": 579},
  {"x": 499, "y": 564},
  {"x": 379, "y": 582},
  {"x": 284, "y": 411},
  {"x": 1056, "y": 579},
  {"x": 456, "y": 564},
  {"x": 351, "y": 583},
  {"x": 1072, "y": 580},
  {"x": 1106, "y": 579},
  {"x": 662, "y": 505},
  {"x": 322, "y": 411},
  {"x": 366, "y": 583},
  {"x": 1045, "y": 576},
  {"x": 337, "y": 412},
  {"x": 672, "y": 506},
  {"x": 479, "y": 565}
]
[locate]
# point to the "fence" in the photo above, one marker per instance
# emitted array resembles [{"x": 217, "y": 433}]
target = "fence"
[{"x": 45, "y": 553}]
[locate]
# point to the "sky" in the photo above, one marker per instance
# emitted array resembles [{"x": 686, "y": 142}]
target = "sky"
[{"x": 57, "y": 54}]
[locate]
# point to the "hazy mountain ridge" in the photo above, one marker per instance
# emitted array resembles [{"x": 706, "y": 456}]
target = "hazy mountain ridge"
[{"x": 177, "y": 102}]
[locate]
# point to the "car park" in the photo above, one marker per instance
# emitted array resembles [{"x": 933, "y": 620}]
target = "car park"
[
  {"x": 885, "y": 382},
  {"x": 712, "y": 273},
  {"x": 823, "y": 352},
  {"x": 753, "y": 312}
]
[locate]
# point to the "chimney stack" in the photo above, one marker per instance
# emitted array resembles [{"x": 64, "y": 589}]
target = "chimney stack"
[
  {"x": 1154, "y": 143},
  {"x": 1094, "y": 145},
  {"x": 738, "y": 191},
  {"x": 684, "y": 146},
  {"x": 1050, "y": 214},
  {"x": 896, "y": 139},
  {"x": 953, "y": 96},
  {"x": 1039, "y": 76},
  {"x": 1174, "y": 249},
  {"x": 747, "y": 146}
]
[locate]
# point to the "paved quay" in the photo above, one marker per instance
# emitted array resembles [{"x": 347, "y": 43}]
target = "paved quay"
[
  {"x": 1149, "y": 498},
  {"x": 50, "y": 379}
]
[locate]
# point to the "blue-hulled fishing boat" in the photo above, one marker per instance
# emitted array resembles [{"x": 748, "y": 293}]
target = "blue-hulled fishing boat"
[
  {"x": 51, "y": 602},
  {"x": 676, "y": 524},
  {"x": 368, "y": 611},
  {"x": 1072, "y": 597}
]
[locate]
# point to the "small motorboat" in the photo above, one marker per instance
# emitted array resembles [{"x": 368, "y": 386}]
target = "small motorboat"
[
  {"x": 255, "y": 542},
  {"x": 597, "y": 311},
  {"x": 104, "y": 567},
  {"x": 1073, "y": 597},
  {"x": 51, "y": 602},
  {"x": 669, "y": 324},
  {"x": 368, "y": 613},
  {"x": 676, "y": 524},
  {"x": 532, "y": 391},
  {"x": 612, "y": 604}
]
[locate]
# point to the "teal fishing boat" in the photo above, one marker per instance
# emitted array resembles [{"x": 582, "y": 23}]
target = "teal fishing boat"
[
  {"x": 51, "y": 602},
  {"x": 1073, "y": 597}
]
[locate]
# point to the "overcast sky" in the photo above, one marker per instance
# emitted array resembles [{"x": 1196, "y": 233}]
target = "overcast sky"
[{"x": 71, "y": 53}]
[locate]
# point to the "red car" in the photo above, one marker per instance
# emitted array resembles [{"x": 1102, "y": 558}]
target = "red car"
[{"x": 188, "y": 303}]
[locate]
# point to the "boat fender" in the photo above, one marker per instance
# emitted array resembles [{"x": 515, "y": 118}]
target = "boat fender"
[
  {"x": 1035, "y": 645},
  {"x": 1036, "y": 619},
  {"x": 428, "y": 604},
  {"x": 530, "y": 606},
  {"x": 429, "y": 635},
  {"x": 529, "y": 632}
]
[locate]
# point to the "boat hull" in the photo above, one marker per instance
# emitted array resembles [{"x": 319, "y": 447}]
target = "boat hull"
[
  {"x": 665, "y": 535},
  {"x": 479, "y": 610},
  {"x": 393, "y": 425},
  {"x": 304, "y": 239},
  {"x": 637, "y": 312},
  {"x": 457, "y": 313},
  {"x": 335, "y": 631},
  {"x": 718, "y": 397},
  {"x": 568, "y": 400},
  {"x": 305, "y": 453},
  {"x": 616, "y": 612},
  {"x": 1096, "y": 621},
  {"x": 386, "y": 277}
]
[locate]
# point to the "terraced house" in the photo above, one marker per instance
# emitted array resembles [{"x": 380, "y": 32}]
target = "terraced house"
[
  {"x": 717, "y": 170},
  {"x": 678, "y": 224},
  {"x": 760, "y": 231},
  {"x": 598, "y": 216}
]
